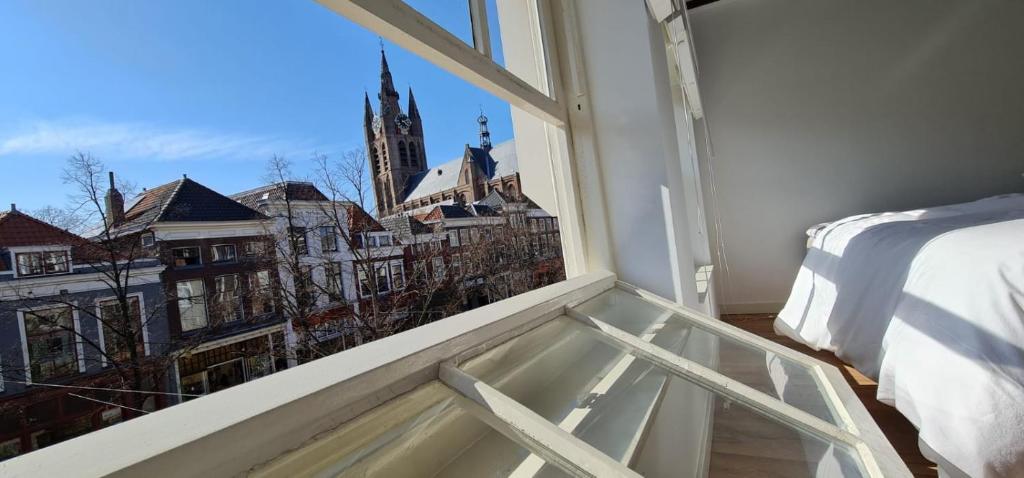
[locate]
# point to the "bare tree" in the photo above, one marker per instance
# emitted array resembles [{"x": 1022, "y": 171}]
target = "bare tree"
[{"x": 113, "y": 258}]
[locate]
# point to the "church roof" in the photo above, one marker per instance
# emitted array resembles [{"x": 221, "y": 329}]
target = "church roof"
[
  {"x": 290, "y": 190},
  {"x": 500, "y": 162}
]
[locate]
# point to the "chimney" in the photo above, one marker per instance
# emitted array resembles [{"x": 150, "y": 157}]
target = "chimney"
[
  {"x": 115, "y": 204},
  {"x": 14, "y": 207}
]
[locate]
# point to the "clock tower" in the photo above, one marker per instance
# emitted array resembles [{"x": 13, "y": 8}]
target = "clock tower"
[{"x": 394, "y": 143}]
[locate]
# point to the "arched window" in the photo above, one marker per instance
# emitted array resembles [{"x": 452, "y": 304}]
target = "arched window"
[
  {"x": 374, "y": 160},
  {"x": 403, "y": 154},
  {"x": 467, "y": 176},
  {"x": 414, "y": 155}
]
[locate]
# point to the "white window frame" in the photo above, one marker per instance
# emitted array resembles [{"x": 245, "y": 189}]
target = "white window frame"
[
  {"x": 399, "y": 266},
  {"x": 206, "y": 306},
  {"x": 79, "y": 345},
  {"x": 142, "y": 319}
]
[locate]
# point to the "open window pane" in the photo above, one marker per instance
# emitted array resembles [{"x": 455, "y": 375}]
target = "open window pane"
[
  {"x": 638, "y": 413},
  {"x": 422, "y": 433},
  {"x": 779, "y": 377}
]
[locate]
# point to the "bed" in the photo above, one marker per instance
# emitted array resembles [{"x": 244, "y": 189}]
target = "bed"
[{"x": 930, "y": 303}]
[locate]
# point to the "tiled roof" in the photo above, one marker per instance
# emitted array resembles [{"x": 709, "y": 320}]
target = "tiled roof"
[
  {"x": 292, "y": 190},
  {"x": 361, "y": 221},
  {"x": 500, "y": 162},
  {"x": 20, "y": 229},
  {"x": 185, "y": 200},
  {"x": 404, "y": 227}
]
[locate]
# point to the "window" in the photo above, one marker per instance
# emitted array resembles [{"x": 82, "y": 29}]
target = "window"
[
  {"x": 419, "y": 271},
  {"x": 50, "y": 340},
  {"x": 328, "y": 239},
  {"x": 335, "y": 283},
  {"x": 262, "y": 293},
  {"x": 255, "y": 249},
  {"x": 148, "y": 239},
  {"x": 226, "y": 302},
  {"x": 298, "y": 235},
  {"x": 382, "y": 277},
  {"x": 116, "y": 330},
  {"x": 191, "y": 304},
  {"x": 457, "y": 265},
  {"x": 474, "y": 235},
  {"x": 397, "y": 275},
  {"x": 42, "y": 263},
  {"x": 224, "y": 253},
  {"x": 453, "y": 238},
  {"x": 304, "y": 289},
  {"x": 384, "y": 240},
  {"x": 438, "y": 265},
  {"x": 365, "y": 288},
  {"x": 186, "y": 256},
  {"x": 371, "y": 241},
  {"x": 192, "y": 385},
  {"x": 464, "y": 236}
]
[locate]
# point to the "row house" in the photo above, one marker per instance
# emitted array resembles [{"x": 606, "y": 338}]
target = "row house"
[
  {"x": 64, "y": 355},
  {"x": 326, "y": 251},
  {"x": 491, "y": 249},
  {"x": 223, "y": 309}
]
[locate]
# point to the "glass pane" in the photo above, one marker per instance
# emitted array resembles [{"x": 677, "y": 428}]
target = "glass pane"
[
  {"x": 637, "y": 413},
  {"x": 777, "y": 376},
  {"x": 422, "y": 433}
]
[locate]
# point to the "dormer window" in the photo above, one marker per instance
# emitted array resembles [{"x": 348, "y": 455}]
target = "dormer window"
[
  {"x": 42, "y": 263},
  {"x": 148, "y": 240}
]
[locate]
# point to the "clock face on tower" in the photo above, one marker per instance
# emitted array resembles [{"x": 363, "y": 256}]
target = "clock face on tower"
[{"x": 403, "y": 122}]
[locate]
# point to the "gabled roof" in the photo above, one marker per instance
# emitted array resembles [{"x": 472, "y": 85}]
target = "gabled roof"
[
  {"x": 185, "y": 200},
  {"x": 20, "y": 229},
  {"x": 501, "y": 161},
  {"x": 291, "y": 190}
]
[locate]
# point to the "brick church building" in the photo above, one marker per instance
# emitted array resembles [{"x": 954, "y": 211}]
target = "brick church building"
[{"x": 402, "y": 181}]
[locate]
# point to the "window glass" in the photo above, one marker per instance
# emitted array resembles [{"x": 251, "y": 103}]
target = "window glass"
[
  {"x": 382, "y": 277},
  {"x": 186, "y": 256},
  {"x": 262, "y": 293},
  {"x": 438, "y": 265},
  {"x": 255, "y": 248},
  {"x": 304, "y": 288},
  {"x": 328, "y": 239},
  {"x": 226, "y": 304},
  {"x": 40, "y": 263},
  {"x": 224, "y": 253},
  {"x": 52, "y": 348},
  {"x": 299, "y": 238},
  {"x": 453, "y": 238},
  {"x": 581, "y": 381},
  {"x": 191, "y": 304},
  {"x": 335, "y": 282},
  {"x": 194, "y": 384},
  {"x": 423, "y": 433},
  {"x": 397, "y": 275},
  {"x": 116, "y": 330},
  {"x": 765, "y": 371}
]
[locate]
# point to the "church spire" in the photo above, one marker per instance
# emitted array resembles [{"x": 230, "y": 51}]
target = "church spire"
[
  {"x": 366, "y": 106},
  {"x": 414, "y": 112},
  {"x": 485, "y": 134},
  {"x": 387, "y": 85}
]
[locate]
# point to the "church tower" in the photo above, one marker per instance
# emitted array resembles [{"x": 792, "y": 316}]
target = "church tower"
[{"x": 394, "y": 143}]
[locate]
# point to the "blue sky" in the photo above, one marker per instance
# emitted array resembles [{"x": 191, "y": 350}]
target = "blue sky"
[{"x": 156, "y": 89}]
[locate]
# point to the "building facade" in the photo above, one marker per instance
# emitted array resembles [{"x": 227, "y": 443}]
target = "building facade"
[
  {"x": 60, "y": 341},
  {"x": 325, "y": 250},
  {"x": 224, "y": 310}
]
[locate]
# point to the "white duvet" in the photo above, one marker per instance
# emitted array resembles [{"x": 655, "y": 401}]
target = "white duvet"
[{"x": 931, "y": 304}]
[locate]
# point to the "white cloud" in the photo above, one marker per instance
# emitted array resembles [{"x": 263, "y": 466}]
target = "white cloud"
[{"x": 142, "y": 141}]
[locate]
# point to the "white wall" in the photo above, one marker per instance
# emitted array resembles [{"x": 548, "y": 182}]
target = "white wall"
[{"x": 819, "y": 109}]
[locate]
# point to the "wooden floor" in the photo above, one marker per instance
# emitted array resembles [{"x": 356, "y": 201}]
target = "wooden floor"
[{"x": 900, "y": 432}]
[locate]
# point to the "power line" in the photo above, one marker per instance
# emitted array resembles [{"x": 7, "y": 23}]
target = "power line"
[
  {"x": 81, "y": 387},
  {"x": 107, "y": 403}
]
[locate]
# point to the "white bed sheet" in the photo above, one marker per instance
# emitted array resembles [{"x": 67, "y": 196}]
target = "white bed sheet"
[{"x": 931, "y": 304}]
